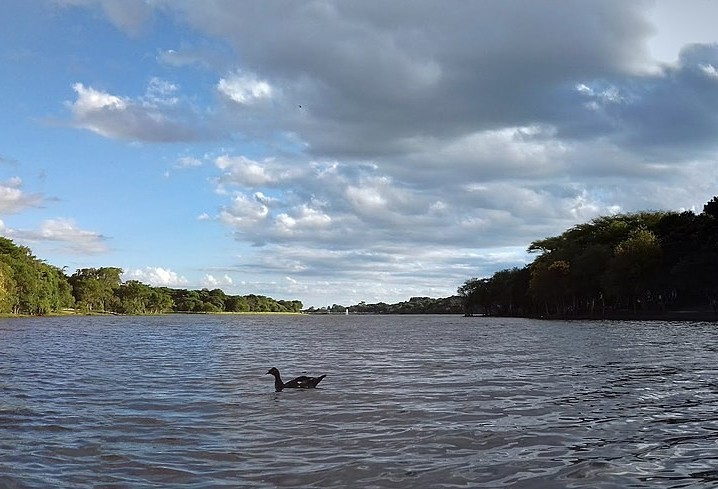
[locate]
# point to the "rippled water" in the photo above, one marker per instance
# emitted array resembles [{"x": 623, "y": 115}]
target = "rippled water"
[{"x": 409, "y": 401}]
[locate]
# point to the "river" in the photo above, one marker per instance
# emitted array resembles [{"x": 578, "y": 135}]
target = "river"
[{"x": 408, "y": 401}]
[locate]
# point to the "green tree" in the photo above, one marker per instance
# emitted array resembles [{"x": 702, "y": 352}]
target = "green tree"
[
  {"x": 30, "y": 286},
  {"x": 94, "y": 288},
  {"x": 632, "y": 271},
  {"x": 8, "y": 289},
  {"x": 159, "y": 301},
  {"x": 186, "y": 300},
  {"x": 236, "y": 303},
  {"x": 133, "y": 297},
  {"x": 475, "y": 293},
  {"x": 550, "y": 284}
]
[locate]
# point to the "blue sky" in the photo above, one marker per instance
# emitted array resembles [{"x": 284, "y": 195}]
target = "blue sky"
[{"x": 337, "y": 152}]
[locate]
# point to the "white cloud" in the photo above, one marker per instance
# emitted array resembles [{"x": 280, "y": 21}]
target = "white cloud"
[
  {"x": 212, "y": 282},
  {"x": 90, "y": 100},
  {"x": 160, "y": 92},
  {"x": 709, "y": 70},
  {"x": 13, "y": 199},
  {"x": 65, "y": 233},
  {"x": 245, "y": 88},
  {"x": 265, "y": 199},
  {"x": 305, "y": 219},
  {"x": 244, "y": 212},
  {"x": 156, "y": 276},
  {"x": 243, "y": 171},
  {"x": 157, "y": 116},
  {"x": 65, "y": 230}
]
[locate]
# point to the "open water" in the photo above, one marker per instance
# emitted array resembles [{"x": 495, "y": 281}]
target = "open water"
[{"x": 408, "y": 402}]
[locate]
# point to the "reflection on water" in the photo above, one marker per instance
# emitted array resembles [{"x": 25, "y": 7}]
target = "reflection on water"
[{"x": 409, "y": 401}]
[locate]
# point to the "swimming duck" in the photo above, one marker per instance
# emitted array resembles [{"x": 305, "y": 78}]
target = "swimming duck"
[{"x": 302, "y": 382}]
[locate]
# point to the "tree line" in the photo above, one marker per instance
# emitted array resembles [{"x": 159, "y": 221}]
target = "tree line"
[
  {"x": 645, "y": 262},
  {"x": 29, "y": 286},
  {"x": 415, "y": 305}
]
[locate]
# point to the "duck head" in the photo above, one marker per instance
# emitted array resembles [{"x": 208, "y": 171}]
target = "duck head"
[{"x": 273, "y": 371}]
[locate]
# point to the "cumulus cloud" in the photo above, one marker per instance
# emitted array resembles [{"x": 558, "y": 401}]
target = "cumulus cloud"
[
  {"x": 65, "y": 234},
  {"x": 242, "y": 171},
  {"x": 244, "y": 88},
  {"x": 211, "y": 282},
  {"x": 154, "y": 117},
  {"x": 155, "y": 276},
  {"x": 367, "y": 72},
  {"x": 13, "y": 199},
  {"x": 244, "y": 213},
  {"x": 305, "y": 219}
]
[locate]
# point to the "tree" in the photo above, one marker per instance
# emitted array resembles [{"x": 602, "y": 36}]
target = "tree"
[
  {"x": 236, "y": 303},
  {"x": 711, "y": 208},
  {"x": 159, "y": 301},
  {"x": 586, "y": 277},
  {"x": 632, "y": 271},
  {"x": 94, "y": 288},
  {"x": 186, "y": 300},
  {"x": 8, "y": 289},
  {"x": 550, "y": 284},
  {"x": 133, "y": 297},
  {"x": 30, "y": 286}
]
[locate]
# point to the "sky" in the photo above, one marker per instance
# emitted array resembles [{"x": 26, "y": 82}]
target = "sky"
[{"x": 344, "y": 151}]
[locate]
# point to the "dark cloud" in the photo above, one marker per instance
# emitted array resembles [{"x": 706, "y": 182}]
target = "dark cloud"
[
  {"x": 671, "y": 112},
  {"x": 375, "y": 79},
  {"x": 371, "y": 75}
]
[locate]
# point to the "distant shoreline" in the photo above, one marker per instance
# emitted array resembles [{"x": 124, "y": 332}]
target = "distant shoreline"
[
  {"x": 73, "y": 313},
  {"x": 685, "y": 316}
]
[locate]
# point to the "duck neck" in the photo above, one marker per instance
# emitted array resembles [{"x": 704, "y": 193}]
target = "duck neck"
[{"x": 278, "y": 384}]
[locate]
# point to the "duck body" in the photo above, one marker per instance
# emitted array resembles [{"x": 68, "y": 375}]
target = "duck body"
[{"x": 301, "y": 382}]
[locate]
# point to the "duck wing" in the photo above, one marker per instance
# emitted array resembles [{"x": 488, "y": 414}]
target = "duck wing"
[{"x": 304, "y": 382}]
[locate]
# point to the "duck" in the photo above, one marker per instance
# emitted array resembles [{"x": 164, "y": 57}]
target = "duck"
[{"x": 301, "y": 382}]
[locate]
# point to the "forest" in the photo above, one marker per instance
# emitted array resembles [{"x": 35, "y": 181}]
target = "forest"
[
  {"x": 29, "y": 286},
  {"x": 646, "y": 263},
  {"x": 415, "y": 305}
]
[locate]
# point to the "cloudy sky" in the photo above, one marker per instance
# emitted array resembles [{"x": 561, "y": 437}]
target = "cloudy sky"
[{"x": 344, "y": 151}]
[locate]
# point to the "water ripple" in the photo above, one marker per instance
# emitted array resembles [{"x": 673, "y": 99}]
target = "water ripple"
[{"x": 410, "y": 401}]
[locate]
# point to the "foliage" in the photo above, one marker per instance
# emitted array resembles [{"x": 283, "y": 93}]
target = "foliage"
[
  {"x": 415, "y": 305},
  {"x": 217, "y": 301},
  {"x": 649, "y": 261},
  {"x": 95, "y": 288},
  {"x": 30, "y": 286}
]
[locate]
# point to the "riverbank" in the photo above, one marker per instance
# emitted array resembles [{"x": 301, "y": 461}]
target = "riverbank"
[
  {"x": 683, "y": 315},
  {"x": 74, "y": 313}
]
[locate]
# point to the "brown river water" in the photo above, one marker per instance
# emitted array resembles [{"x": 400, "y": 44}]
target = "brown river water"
[{"x": 408, "y": 402}]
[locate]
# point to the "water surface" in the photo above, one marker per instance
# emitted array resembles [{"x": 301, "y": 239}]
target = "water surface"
[{"x": 409, "y": 401}]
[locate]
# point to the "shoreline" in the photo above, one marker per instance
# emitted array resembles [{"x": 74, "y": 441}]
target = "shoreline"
[
  {"x": 73, "y": 313},
  {"x": 689, "y": 315}
]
